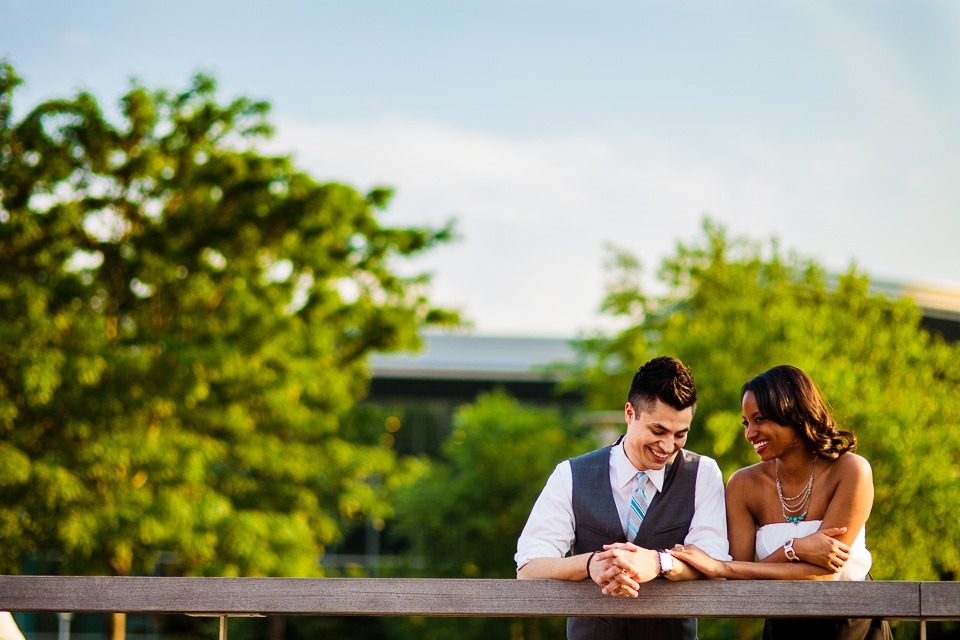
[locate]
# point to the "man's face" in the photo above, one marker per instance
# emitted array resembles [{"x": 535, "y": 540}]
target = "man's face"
[{"x": 655, "y": 435}]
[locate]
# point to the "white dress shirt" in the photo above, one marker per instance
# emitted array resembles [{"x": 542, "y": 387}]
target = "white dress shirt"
[{"x": 549, "y": 532}]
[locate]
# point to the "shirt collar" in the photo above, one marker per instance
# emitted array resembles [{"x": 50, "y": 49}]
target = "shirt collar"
[{"x": 626, "y": 472}]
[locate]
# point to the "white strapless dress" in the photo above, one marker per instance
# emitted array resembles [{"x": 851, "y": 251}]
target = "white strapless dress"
[{"x": 771, "y": 537}]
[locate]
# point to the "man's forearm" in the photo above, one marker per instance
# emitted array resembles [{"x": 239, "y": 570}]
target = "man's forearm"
[{"x": 568, "y": 568}]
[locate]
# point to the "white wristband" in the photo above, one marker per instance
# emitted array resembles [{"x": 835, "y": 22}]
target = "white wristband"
[{"x": 788, "y": 550}]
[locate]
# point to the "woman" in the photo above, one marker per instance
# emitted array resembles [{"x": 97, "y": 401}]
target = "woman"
[{"x": 802, "y": 509}]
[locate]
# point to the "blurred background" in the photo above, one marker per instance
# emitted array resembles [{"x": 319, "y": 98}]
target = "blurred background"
[{"x": 287, "y": 284}]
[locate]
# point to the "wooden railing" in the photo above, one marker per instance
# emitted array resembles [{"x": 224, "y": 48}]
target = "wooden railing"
[{"x": 489, "y": 598}]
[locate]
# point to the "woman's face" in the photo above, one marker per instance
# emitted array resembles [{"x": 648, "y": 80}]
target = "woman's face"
[{"x": 769, "y": 439}]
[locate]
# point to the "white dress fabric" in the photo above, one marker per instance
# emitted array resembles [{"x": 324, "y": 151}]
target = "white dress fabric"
[
  {"x": 8, "y": 627},
  {"x": 771, "y": 537}
]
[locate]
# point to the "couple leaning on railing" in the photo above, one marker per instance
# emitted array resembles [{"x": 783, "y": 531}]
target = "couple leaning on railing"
[{"x": 645, "y": 508}]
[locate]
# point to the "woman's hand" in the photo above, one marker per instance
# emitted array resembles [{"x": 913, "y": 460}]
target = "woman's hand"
[
  {"x": 823, "y": 549},
  {"x": 698, "y": 559}
]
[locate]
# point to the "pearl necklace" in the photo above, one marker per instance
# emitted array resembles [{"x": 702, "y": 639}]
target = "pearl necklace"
[{"x": 798, "y": 504}]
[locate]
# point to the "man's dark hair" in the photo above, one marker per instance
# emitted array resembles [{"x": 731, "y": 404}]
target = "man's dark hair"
[{"x": 665, "y": 379}]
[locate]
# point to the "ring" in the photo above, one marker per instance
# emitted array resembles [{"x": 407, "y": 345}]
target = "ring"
[{"x": 681, "y": 548}]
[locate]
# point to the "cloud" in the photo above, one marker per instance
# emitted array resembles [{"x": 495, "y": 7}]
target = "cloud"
[{"x": 536, "y": 213}]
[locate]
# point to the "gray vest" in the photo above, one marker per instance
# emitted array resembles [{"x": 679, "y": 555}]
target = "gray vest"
[{"x": 598, "y": 523}]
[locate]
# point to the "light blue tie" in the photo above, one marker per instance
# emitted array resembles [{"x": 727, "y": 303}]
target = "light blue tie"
[{"x": 638, "y": 505}]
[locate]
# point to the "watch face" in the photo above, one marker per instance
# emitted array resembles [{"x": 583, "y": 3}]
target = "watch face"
[{"x": 666, "y": 562}]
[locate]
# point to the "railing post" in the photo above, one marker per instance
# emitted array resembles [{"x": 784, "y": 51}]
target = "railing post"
[{"x": 63, "y": 625}]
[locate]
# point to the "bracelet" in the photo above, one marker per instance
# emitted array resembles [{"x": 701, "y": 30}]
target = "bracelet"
[
  {"x": 589, "y": 559},
  {"x": 789, "y": 552}
]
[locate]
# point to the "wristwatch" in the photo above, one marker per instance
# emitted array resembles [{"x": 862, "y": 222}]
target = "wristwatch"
[
  {"x": 789, "y": 552},
  {"x": 666, "y": 563}
]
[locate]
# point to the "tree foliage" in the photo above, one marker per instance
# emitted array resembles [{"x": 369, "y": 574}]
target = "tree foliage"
[
  {"x": 185, "y": 322},
  {"x": 468, "y": 509},
  {"x": 734, "y": 308},
  {"x": 466, "y": 513}
]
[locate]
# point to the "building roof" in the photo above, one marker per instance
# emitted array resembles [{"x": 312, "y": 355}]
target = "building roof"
[
  {"x": 936, "y": 302},
  {"x": 474, "y": 357},
  {"x": 528, "y": 359}
]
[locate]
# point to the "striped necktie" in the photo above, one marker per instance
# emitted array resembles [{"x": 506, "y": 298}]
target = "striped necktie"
[{"x": 639, "y": 503}]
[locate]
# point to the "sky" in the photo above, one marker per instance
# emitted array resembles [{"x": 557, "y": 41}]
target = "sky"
[{"x": 554, "y": 130}]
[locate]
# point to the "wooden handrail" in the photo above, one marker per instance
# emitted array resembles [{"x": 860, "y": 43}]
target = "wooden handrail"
[{"x": 485, "y": 598}]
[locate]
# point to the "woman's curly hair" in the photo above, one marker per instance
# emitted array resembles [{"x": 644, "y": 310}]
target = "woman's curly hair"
[{"x": 787, "y": 396}]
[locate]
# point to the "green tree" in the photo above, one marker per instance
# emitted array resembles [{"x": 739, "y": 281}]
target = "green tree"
[
  {"x": 733, "y": 308},
  {"x": 185, "y": 322},
  {"x": 466, "y": 513}
]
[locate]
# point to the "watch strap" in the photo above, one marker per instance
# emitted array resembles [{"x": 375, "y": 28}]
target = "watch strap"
[{"x": 789, "y": 551}]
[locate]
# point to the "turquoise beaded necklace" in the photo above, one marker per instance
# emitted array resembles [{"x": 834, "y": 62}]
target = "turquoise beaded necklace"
[{"x": 795, "y": 509}]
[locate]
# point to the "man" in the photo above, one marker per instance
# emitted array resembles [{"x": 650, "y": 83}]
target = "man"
[{"x": 616, "y": 522}]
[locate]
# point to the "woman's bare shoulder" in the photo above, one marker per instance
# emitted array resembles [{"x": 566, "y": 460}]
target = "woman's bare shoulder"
[
  {"x": 747, "y": 477},
  {"x": 852, "y": 464}
]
